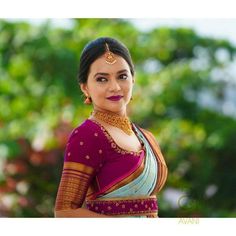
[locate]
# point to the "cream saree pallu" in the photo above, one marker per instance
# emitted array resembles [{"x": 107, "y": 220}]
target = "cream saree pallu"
[{"x": 135, "y": 196}]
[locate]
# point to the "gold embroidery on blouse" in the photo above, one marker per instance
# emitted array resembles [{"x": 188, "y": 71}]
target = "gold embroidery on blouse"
[
  {"x": 117, "y": 148},
  {"x": 75, "y": 172},
  {"x": 78, "y": 166},
  {"x": 73, "y": 185}
]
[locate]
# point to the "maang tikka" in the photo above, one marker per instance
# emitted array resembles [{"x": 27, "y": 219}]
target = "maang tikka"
[{"x": 109, "y": 56}]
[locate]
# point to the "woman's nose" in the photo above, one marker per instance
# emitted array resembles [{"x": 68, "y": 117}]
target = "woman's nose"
[{"x": 114, "y": 85}]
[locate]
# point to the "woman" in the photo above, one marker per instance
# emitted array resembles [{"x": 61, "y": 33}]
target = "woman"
[{"x": 112, "y": 167}]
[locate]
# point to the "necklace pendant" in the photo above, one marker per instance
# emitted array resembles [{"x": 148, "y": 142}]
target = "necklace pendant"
[{"x": 121, "y": 122}]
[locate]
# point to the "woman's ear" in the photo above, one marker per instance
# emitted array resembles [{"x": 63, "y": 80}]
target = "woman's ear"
[
  {"x": 133, "y": 80},
  {"x": 84, "y": 89}
]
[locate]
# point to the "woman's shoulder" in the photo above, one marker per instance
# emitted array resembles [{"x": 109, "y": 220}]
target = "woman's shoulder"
[
  {"x": 86, "y": 129},
  {"x": 84, "y": 145}
]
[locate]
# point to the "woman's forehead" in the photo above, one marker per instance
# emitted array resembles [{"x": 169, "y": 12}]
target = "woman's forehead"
[{"x": 100, "y": 65}]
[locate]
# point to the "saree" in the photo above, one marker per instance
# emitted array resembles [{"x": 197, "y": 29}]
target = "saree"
[{"x": 108, "y": 179}]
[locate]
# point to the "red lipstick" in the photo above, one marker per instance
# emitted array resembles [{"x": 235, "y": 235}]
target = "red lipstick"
[{"x": 115, "y": 98}]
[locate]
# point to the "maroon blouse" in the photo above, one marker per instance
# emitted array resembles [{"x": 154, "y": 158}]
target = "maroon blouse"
[{"x": 94, "y": 165}]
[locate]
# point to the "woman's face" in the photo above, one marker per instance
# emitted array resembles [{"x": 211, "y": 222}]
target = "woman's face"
[{"x": 105, "y": 80}]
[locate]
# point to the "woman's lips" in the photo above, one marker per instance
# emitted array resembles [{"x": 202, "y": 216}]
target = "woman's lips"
[{"x": 115, "y": 98}]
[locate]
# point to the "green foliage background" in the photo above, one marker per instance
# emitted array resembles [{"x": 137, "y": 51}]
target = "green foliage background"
[{"x": 40, "y": 103}]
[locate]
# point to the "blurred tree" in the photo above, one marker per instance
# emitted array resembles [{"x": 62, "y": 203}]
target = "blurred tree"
[{"x": 183, "y": 82}]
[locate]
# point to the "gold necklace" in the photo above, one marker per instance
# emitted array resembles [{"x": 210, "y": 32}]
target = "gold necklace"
[{"x": 121, "y": 122}]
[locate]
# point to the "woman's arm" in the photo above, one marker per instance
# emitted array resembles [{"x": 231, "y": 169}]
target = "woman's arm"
[
  {"x": 79, "y": 212},
  {"x": 81, "y": 163}
]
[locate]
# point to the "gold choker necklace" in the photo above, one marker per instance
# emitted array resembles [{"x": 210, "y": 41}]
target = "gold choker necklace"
[{"x": 121, "y": 122}]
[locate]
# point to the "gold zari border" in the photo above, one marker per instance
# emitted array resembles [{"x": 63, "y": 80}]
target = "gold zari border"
[{"x": 78, "y": 166}]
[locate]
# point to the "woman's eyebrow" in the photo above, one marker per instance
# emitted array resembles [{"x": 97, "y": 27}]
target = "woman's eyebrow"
[
  {"x": 103, "y": 73},
  {"x": 122, "y": 71}
]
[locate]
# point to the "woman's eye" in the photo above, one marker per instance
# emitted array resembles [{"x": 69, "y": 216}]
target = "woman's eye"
[
  {"x": 101, "y": 79},
  {"x": 123, "y": 76}
]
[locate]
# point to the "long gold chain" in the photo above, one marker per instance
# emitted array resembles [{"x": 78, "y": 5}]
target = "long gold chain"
[{"x": 121, "y": 122}]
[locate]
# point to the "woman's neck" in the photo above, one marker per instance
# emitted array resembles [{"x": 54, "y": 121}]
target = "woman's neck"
[
  {"x": 119, "y": 113},
  {"x": 113, "y": 119}
]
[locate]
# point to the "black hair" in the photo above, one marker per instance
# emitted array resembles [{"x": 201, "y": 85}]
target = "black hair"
[{"x": 96, "y": 48}]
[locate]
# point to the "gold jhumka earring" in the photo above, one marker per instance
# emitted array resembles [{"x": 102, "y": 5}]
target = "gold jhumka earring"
[
  {"x": 109, "y": 56},
  {"x": 88, "y": 100}
]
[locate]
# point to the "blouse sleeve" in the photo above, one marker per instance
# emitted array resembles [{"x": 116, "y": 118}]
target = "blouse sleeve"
[{"x": 82, "y": 158}]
